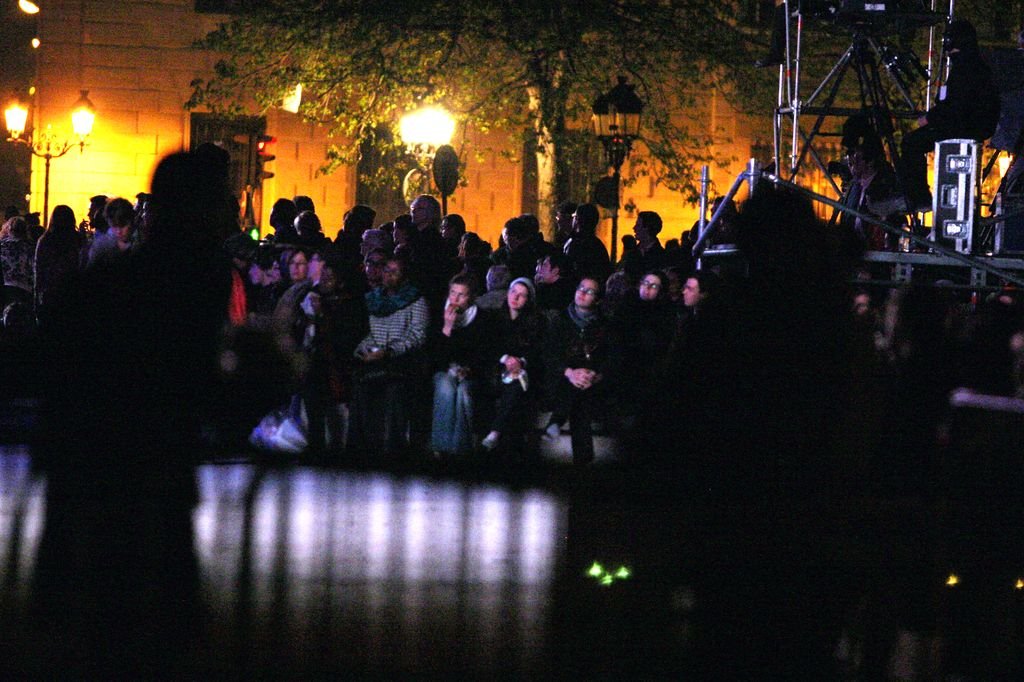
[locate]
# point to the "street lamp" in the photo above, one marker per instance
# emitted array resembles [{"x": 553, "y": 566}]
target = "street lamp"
[
  {"x": 424, "y": 132},
  {"x": 616, "y": 123},
  {"x": 48, "y": 145},
  {"x": 426, "y": 129}
]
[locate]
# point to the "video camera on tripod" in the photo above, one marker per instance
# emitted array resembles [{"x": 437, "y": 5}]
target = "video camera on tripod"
[
  {"x": 879, "y": 13},
  {"x": 880, "y": 54},
  {"x": 879, "y": 18}
]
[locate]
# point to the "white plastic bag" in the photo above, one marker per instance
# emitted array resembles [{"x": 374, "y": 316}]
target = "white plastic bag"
[{"x": 282, "y": 431}]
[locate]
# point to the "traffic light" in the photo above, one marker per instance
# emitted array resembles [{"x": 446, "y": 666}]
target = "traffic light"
[{"x": 264, "y": 145}]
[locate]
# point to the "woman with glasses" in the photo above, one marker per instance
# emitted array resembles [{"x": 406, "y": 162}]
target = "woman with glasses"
[
  {"x": 645, "y": 323},
  {"x": 578, "y": 364},
  {"x": 388, "y": 363},
  {"x": 373, "y": 268},
  {"x": 646, "y": 316}
]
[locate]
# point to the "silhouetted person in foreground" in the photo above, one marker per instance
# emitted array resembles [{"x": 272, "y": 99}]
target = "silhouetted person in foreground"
[
  {"x": 770, "y": 396},
  {"x": 132, "y": 362}
]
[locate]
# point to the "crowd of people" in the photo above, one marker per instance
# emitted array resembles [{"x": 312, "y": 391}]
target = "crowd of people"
[
  {"x": 437, "y": 344},
  {"x": 415, "y": 337}
]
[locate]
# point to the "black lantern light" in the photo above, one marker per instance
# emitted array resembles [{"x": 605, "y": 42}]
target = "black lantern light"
[{"x": 616, "y": 123}]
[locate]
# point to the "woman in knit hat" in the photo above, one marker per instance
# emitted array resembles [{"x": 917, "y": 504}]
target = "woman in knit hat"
[{"x": 517, "y": 371}]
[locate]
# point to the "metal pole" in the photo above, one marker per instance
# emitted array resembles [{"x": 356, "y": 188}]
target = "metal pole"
[
  {"x": 931, "y": 69},
  {"x": 615, "y": 218},
  {"x": 949, "y": 18},
  {"x": 46, "y": 191},
  {"x": 698, "y": 247},
  {"x": 795, "y": 100},
  {"x": 705, "y": 180},
  {"x": 784, "y": 67},
  {"x": 783, "y": 95},
  {"x": 777, "y": 124},
  {"x": 753, "y": 174}
]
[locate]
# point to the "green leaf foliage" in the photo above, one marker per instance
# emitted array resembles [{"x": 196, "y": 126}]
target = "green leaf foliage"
[{"x": 529, "y": 67}]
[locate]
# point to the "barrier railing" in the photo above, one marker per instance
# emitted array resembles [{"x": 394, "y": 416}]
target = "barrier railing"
[{"x": 754, "y": 174}]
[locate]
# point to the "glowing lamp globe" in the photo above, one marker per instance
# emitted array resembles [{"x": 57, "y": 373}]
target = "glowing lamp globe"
[
  {"x": 429, "y": 127},
  {"x": 83, "y": 115},
  {"x": 15, "y": 117}
]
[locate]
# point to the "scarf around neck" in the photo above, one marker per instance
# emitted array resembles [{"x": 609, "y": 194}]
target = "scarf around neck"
[
  {"x": 380, "y": 304},
  {"x": 582, "y": 320}
]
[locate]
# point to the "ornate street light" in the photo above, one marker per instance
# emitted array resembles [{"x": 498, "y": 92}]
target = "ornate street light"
[
  {"x": 426, "y": 129},
  {"x": 426, "y": 133},
  {"x": 48, "y": 145},
  {"x": 616, "y": 123},
  {"x": 28, "y": 7}
]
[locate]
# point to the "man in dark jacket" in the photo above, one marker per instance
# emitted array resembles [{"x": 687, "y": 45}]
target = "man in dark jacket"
[
  {"x": 649, "y": 253},
  {"x": 356, "y": 222},
  {"x": 555, "y": 283},
  {"x": 968, "y": 108},
  {"x": 428, "y": 267},
  {"x": 871, "y": 186},
  {"x": 586, "y": 252},
  {"x": 523, "y": 246}
]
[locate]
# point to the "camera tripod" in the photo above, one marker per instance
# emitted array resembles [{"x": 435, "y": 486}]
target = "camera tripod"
[{"x": 884, "y": 79}]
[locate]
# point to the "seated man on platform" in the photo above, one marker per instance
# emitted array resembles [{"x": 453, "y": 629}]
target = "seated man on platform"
[
  {"x": 872, "y": 185},
  {"x": 968, "y": 108}
]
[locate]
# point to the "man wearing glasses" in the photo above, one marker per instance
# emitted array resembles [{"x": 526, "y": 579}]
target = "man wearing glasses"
[{"x": 578, "y": 362}]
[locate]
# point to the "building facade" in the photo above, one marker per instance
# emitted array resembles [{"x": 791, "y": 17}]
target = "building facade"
[{"x": 136, "y": 60}]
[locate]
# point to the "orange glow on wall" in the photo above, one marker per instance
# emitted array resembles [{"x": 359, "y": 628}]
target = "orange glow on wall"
[{"x": 139, "y": 93}]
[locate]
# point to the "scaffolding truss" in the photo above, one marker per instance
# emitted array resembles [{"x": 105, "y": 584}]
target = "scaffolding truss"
[{"x": 881, "y": 71}]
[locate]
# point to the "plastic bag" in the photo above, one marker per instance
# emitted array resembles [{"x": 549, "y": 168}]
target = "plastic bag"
[{"x": 284, "y": 430}]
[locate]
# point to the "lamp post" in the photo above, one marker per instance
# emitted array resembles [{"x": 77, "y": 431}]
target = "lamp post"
[
  {"x": 616, "y": 123},
  {"x": 48, "y": 145},
  {"x": 425, "y": 132}
]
